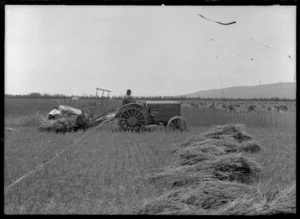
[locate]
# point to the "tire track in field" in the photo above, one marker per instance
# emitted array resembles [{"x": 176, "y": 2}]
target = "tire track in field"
[{"x": 41, "y": 166}]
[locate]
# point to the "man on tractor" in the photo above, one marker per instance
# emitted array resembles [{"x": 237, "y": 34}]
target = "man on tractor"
[{"x": 128, "y": 98}]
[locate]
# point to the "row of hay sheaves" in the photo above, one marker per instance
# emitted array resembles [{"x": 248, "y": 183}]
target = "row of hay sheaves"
[{"x": 212, "y": 177}]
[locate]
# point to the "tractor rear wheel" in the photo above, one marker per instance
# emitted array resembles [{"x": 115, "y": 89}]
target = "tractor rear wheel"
[
  {"x": 132, "y": 119},
  {"x": 176, "y": 123}
]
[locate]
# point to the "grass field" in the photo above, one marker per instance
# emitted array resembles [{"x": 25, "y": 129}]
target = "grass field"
[{"x": 103, "y": 172}]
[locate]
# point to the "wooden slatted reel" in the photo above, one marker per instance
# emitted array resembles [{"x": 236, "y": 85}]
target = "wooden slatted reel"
[{"x": 102, "y": 97}]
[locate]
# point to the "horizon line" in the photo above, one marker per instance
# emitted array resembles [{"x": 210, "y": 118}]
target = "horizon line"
[{"x": 176, "y": 95}]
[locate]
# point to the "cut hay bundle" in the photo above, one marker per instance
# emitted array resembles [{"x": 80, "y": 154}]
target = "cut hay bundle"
[
  {"x": 203, "y": 198},
  {"x": 206, "y": 146},
  {"x": 59, "y": 125},
  {"x": 210, "y": 147},
  {"x": 193, "y": 154},
  {"x": 193, "y": 157},
  {"x": 231, "y": 108},
  {"x": 217, "y": 147},
  {"x": 235, "y": 131},
  {"x": 270, "y": 108},
  {"x": 250, "y": 147},
  {"x": 282, "y": 108},
  {"x": 251, "y": 108},
  {"x": 231, "y": 146},
  {"x": 231, "y": 132},
  {"x": 212, "y": 106},
  {"x": 210, "y": 195},
  {"x": 233, "y": 167},
  {"x": 283, "y": 202},
  {"x": 174, "y": 176},
  {"x": 199, "y": 143}
]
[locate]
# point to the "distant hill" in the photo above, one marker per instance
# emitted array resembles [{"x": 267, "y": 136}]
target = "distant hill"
[{"x": 280, "y": 90}]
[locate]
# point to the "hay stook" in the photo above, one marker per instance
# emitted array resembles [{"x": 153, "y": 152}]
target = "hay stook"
[{"x": 210, "y": 175}]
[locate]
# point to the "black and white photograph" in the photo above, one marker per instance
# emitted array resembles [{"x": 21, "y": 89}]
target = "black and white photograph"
[{"x": 149, "y": 109}]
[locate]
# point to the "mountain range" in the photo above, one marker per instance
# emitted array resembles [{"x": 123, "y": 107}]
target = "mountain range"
[{"x": 280, "y": 90}]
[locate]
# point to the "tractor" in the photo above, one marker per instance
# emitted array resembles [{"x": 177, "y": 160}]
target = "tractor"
[{"x": 136, "y": 116}]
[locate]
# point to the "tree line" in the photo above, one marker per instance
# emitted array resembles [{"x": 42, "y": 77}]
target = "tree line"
[{"x": 37, "y": 95}]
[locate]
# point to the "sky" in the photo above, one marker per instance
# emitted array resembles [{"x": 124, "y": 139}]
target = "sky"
[{"x": 152, "y": 50}]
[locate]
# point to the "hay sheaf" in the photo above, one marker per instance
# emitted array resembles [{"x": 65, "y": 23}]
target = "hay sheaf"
[
  {"x": 191, "y": 157},
  {"x": 214, "y": 148},
  {"x": 231, "y": 146},
  {"x": 200, "y": 199},
  {"x": 60, "y": 125},
  {"x": 178, "y": 177},
  {"x": 228, "y": 139},
  {"x": 210, "y": 194},
  {"x": 233, "y": 167},
  {"x": 207, "y": 145},
  {"x": 234, "y": 131},
  {"x": 282, "y": 202},
  {"x": 193, "y": 154},
  {"x": 251, "y": 147}
]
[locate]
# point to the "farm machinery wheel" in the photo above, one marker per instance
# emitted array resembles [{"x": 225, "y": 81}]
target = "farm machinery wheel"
[
  {"x": 176, "y": 123},
  {"x": 132, "y": 118}
]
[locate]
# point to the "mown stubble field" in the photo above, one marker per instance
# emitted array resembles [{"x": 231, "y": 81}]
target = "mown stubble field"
[{"x": 104, "y": 172}]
